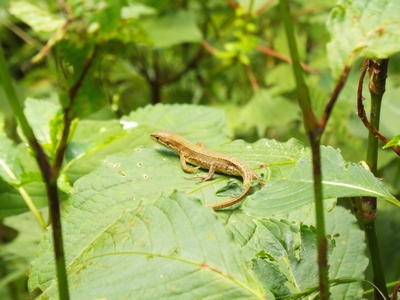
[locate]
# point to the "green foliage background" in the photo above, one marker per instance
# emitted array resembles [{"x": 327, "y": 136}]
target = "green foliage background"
[{"x": 195, "y": 67}]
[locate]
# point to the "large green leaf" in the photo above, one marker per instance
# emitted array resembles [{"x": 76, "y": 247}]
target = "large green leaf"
[
  {"x": 285, "y": 194},
  {"x": 367, "y": 27},
  {"x": 174, "y": 248}
]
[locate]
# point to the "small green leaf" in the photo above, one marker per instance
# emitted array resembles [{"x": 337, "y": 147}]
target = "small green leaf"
[
  {"x": 14, "y": 204},
  {"x": 244, "y": 59},
  {"x": 39, "y": 19},
  {"x": 286, "y": 256},
  {"x": 393, "y": 142},
  {"x": 46, "y": 127},
  {"x": 135, "y": 10},
  {"x": 232, "y": 189},
  {"x": 173, "y": 29},
  {"x": 266, "y": 109}
]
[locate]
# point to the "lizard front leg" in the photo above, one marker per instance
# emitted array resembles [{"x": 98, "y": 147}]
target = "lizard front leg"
[
  {"x": 200, "y": 144},
  {"x": 184, "y": 166}
]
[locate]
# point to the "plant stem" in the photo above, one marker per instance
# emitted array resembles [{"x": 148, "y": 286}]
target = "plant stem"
[
  {"x": 303, "y": 94},
  {"x": 376, "y": 262},
  {"x": 377, "y": 89},
  {"x": 313, "y": 130},
  {"x": 47, "y": 174},
  {"x": 378, "y": 74},
  {"x": 322, "y": 244}
]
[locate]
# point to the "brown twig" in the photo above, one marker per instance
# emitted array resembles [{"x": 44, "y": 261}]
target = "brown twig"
[
  {"x": 65, "y": 8},
  {"x": 361, "y": 111},
  {"x": 264, "y": 7},
  {"x": 250, "y": 72},
  {"x": 283, "y": 57},
  {"x": 233, "y": 4},
  {"x": 329, "y": 106},
  {"x": 252, "y": 78},
  {"x": 395, "y": 291},
  {"x": 209, "y": 48},
  {"x": 23, "y": 35},
  {"x": 68, "y": 117}
]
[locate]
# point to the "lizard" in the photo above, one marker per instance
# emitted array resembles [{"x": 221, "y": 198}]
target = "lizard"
[{"x": 201, "y": 157}]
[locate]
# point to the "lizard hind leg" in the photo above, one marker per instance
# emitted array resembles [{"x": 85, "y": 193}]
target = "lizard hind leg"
[
  {"x": 206, "y": 177},
  {"x": 209, "y": 175}
]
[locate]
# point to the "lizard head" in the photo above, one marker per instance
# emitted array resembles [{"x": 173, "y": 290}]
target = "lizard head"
[{"x": 163, "y": 137}]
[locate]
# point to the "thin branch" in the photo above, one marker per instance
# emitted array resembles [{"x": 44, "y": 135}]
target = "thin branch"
[
  {"x": 396, "y": 290},
  {"x": 252, "y": 78},
  {"x": 23, "y": 35},
  {"x": 209, "y": 48},
  {"x": 233, "y": 4},
  {"x": 264, "y": 7},
  {"x": 283, "y": 57},
  {"x": 329, "y": 106},
  {"x": 78, "y": 84},
  {"x": 65, "y": 8},
  {"x": 73, "y": 91},
  {"x": 58, "y": 35}
]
